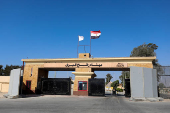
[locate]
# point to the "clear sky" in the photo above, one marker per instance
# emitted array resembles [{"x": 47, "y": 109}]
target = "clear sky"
[{"x": 50, "y": 28}]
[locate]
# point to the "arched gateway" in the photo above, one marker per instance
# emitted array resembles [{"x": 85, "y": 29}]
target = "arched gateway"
[{"x": 84, "y": 68}]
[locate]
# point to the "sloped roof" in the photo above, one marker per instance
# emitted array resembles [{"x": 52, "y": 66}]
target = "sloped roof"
[{"x": 109, "y": 84}]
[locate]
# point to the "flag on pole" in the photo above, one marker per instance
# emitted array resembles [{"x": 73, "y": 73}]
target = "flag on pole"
[
  {"x": 81, "y": 38},
  {"x": 95, "y": 34}
]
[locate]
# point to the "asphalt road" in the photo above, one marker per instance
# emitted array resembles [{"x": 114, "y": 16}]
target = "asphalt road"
[{"x": 80, "y": 104}]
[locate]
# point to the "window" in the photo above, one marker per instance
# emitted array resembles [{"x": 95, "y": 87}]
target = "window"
[
  {"x": 28, "y": 84},
  {"x": 82, "y": 86}
]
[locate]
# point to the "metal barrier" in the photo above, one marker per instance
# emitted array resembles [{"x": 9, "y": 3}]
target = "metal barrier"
[
  {"x": 127, "y": 88},
  {"x": 96, "y": 87},
  {"x": 56, "y": 86}
]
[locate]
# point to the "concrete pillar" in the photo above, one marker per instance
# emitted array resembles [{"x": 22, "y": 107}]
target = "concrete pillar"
[
  {"x": 136, "y": 82},
  {"x": 148, "y": 86},
  {"x": 31, "y": 73}
]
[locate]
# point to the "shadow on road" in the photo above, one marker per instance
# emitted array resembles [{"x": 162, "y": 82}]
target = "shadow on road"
[{"x": 30, "y": 95}]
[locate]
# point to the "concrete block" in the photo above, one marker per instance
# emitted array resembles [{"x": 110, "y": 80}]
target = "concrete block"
[
  {"x": 146, "y": 99},
  {"x": 157, "y": 99},
  {"x": 147, "y": 75},
  {"x": 143, "y": 82},
  {"x": 152, "y": 99},
  {"x": 137, "y": 99},
  {"x": 160, "y": 98},
  {"x": 154, "y": 83},
  {"x": 13, "y": 91},
  {"x": 13, "y": 97},
  {"x": 136, "y": 82},
  {"x": 5, "y": 95}
]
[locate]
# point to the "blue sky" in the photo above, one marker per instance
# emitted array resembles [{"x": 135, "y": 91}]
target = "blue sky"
[{"x": 50, "y": 28}]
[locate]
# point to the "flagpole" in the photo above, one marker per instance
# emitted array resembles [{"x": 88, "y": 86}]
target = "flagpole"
[
  {"x": 78, "y": 46},
  {"x": 90, "y": 43}
]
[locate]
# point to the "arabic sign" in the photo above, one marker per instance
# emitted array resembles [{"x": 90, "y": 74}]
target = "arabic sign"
[{"x": 79, "y": 65}]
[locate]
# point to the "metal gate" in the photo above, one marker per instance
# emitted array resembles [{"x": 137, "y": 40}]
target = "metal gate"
[
  {"x": 164, "y": 82},
  {"x": 96, "y": 87},
  {"x": 56, "y": 86},
  {"x": 127, "y": 88}
]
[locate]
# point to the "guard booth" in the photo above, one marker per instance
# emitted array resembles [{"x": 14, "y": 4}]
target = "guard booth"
[
  {"x": 96, "y": 87},
  {"x": 56, "y": 86}
]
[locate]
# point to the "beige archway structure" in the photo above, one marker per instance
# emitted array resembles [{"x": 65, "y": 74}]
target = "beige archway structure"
[{"x": 84, "y": 68}]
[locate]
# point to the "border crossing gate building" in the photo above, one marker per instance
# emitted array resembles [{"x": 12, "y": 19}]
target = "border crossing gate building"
[{"x": 83, "y": 67}]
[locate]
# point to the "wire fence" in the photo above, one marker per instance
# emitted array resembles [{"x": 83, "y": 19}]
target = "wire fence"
[{"x": 164, "y": 81}]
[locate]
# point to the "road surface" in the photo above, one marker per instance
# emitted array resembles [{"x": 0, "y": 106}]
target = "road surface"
[{"x": 80, "y": 104}]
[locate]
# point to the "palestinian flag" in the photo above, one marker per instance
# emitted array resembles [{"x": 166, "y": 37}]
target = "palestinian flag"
[{"x": 95, "y": 34}]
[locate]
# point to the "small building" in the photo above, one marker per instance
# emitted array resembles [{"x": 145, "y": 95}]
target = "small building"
[{"x": 108, "y": 87}]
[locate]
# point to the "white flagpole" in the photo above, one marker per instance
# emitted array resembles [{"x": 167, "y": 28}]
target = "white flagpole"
[{"x": 77, "y": 46}]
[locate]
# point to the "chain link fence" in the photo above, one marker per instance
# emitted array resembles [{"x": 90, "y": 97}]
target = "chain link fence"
[{"x": 164, "y": 82}]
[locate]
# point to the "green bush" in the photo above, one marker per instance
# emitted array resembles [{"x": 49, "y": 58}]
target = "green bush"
[
  {"x": 119, "y": 90},
  {"x": 115, "y": 84}
]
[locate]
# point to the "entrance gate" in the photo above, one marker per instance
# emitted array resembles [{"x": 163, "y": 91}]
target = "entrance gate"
[
  {"x": 96, "y": 87},
  {"x": 56, "y": 86}
]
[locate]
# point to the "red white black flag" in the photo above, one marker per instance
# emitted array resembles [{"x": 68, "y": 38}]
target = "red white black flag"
[{"x": 95, "y": 34}]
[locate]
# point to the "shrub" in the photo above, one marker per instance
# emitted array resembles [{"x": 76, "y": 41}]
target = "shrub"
[
  {"x": 119, "y": 90},
  {"x": 115, "y": 84}
]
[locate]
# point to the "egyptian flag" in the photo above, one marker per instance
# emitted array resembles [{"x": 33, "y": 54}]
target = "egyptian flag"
[{"x": 95, "y": 34}]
